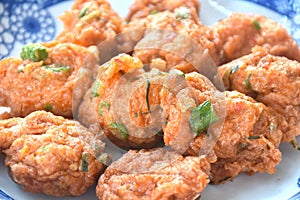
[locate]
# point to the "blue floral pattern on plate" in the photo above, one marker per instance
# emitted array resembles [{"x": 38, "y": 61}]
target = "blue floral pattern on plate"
[
  {"x": 4, "y": 196},
  {"x": 17, "y": 23}
]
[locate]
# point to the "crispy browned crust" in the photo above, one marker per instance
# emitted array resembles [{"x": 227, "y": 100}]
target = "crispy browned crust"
[
  {"x": 28, "y": 86},
  {"x": 98, "y": 24},
  {"x": 238, "y": 34},
  {"x": 179, "y": 42},
  {"x": 154, "y": 174},
  {"x": 249, "y": 128},
  {"x": 108, "y": 79},
  {"x": 44, "y": 154},
  {"x": 143, "y": 8},
  {"x": 273, "y": 80}
]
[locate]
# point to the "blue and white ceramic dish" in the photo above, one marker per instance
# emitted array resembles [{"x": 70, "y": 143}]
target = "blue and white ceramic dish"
[{"x": 30, "y": 21}]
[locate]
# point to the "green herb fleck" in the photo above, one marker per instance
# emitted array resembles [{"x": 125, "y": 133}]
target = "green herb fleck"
[
  {"x": 84, "y": 161},
  {"x": 102, "y": 105},
  {"x": 247, "y": 82},
  {"x": 253, "y": 137},
  {"x": 119, "y": 130},
  {"x": 59, "y": 69},
  {"x": 44, "y": 148},
  {"x": 95, "y": 88},
  {"x": 233, "y": 70},
  {"x": 34, "y": 52},
  {"x": 147, "y": 95},
  {"x": 83, "y": 12},
  {"x": 182, "y": 13},
  {"x": 136, "y": 114},
  {"x": 153, "y": 12},
  {"x": 202, "y": 117},
  {"x": 256, "y": 25},
  {"x": 48, "y": 107}
]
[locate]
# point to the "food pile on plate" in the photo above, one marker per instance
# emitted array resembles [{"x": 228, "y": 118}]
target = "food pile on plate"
[{"x": 187, "y": 104}]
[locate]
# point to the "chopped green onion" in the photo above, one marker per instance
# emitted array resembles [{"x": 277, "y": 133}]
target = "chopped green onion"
[
  {"x": 59, "y": 68},
  {"x": 119, "y": 130},
  {"x": 256, "y": 25},
  {"x": 34, "y": 52},
  {"x": 48, "y": 107},
  {"x": 182, "y": 13},
  {"x": 102, "y": 105},
  {"x": 253, "y": 137},
  {"x": 44, "y": 148},
  {"x": 233, "y": 70},
  {"x": 202, "y": 117},
  {"x": 83, "y": 12},
  {"x": 147, "y": 96},
  {"x": 247, "y": 82},
  {"x": 95, "y": 88},
  {"x": 227, "y": 74},
  {"x": 153, "y": 12},
  {"x": 84, "y": 161}
]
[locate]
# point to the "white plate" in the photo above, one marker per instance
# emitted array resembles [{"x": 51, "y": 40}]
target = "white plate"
[{"x": 282, "y": 185}]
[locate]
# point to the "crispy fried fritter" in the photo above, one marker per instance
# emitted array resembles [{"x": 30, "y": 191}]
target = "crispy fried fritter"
[
  {"x": 55, "y": 84},
  {"x": 272, "y": 80},
  {"x": 239, "y": 33},
  {"x": 102, "y": 97},
  {"x": 171, "y": 37},
  {"x": 248, "y": 138},
  {"x": 143, "y": 8},
  {"x": 51, "y": 155},
  {"x": 154, "y": 174},
  {"x": 89, "y": 23}
]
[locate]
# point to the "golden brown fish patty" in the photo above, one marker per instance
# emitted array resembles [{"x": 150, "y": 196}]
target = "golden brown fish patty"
[
  {"x": 239, "y": 33},
  {"x": 272, "y": 80},
  {"x": 154, "y": 174},
  {"x": 143, "y": 8},
  {"x": 51, "y": 155},
  {"x": 55, "y": 84},
  {"x": 89, "y": 23}
]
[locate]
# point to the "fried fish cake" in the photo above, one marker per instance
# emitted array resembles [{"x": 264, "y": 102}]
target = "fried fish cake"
[
  {"x": 239, "y": 33},
  {"x": 249, "y": 139},
  {"x": 89, "y": 23},
  {"x": 51, "y": 155},
  {"x": 143, "y": 8},
  {"x": 245, "y": 130},
  {"x": 104, "y": 94},
  {"x": 50, "y": 76},
  {"x": 154, "y": 174},
  {"x": 172, "y": 37},
  {"x": 272, "y": 80}
]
